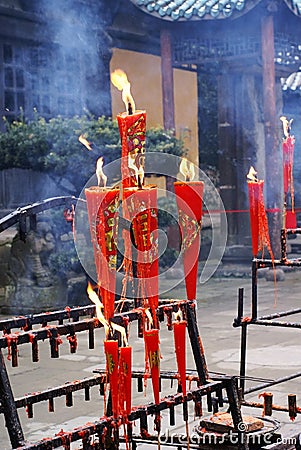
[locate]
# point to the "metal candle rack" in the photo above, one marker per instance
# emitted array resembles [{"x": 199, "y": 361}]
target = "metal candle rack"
[
  {"x": 267, "y": 320},
  {"x": 71, "y": 321}
]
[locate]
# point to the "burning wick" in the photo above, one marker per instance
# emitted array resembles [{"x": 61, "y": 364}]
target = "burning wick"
[
  {"x": 98, "y": 307},
  {"x": 252, "y": 175},
  {"x": 178, "y": 316},
  {"x": 122, "y": 332},
  {"x": 101, "y": 177},
  {"x": 121, "y": 82},
  {"x": 139, "y": 172},
  {"x": 287, "y": 124},
  {"x": 86, "y": 143},
  {"x": 187, "y": 169}
]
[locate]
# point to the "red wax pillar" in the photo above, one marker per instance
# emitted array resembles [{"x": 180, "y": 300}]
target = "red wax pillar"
[
  {"x": 255, "y": 189},
  {"x": 258, "y": 218},
  {"x": 141, "y": 209},
  {"x": 132, "y": 132},
  {"x": 111, "y": 352},
  {"x": 125, "y": 380},
  {"x": 189, "y": 196},
  {"x": 102, "y": 206},
  {"x": 151, "y": 338},
  {"x": 179, "y": 331},
  {"x": 288, "y": 147}
]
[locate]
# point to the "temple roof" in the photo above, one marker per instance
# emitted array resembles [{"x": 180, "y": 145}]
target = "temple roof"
[{"x": 182, "y": 10}]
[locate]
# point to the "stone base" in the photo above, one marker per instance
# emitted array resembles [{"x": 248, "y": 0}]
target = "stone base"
[{"x": 35, "y": 299}]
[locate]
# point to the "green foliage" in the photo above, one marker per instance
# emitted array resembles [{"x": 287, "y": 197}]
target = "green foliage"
[
  {"x": 167, "y": 212},
  {"x": 53, "y": 147},
  {"x": 164, "y": 141},
  {"x": 63, "y": 259}
]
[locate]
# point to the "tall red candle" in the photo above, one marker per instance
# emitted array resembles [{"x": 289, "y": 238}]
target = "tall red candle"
[
  {"x": 255, "y": 189},
  {"x": 102, "y": 206},
  {"x": 151, "y": 338},
  {"x": 258, "y": 218},
  {"x": 189, "y": 197},
  {"x": 132, "y": 132},
  {"x": 125, "y": 380},
  {"x": 288, "y": 146},
  {"x": 179, "y": 332},
  {"x": 140, "y": 206},
  {"x": 112, "y": 357}
]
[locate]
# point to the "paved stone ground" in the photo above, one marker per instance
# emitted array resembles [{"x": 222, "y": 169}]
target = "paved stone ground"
[{"x": 272, "y": 353}]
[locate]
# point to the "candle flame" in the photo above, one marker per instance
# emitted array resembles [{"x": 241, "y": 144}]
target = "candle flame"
[
  {"x": 252, "y": 174},
  {"x": 139, "y": 171},
  {"x": 99, "y": 306},
  {"x": 140, "y": 175},
  {"x": 121, "y": 330},
  {"x": 101, "y": 177},
  {"x": 149, "y": 316},
  {"x": 286, "y": 125},
  {"x": 121, "y": 82},
  {"x": 84, "y": 141},
  {"x": 178, "y": 315},
  {"x": 187, "y": 169}
]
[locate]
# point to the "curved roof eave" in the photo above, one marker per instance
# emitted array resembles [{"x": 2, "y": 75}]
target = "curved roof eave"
[
  {"x": 294, "y": 6},
  {"x": 185, "y": 10}
]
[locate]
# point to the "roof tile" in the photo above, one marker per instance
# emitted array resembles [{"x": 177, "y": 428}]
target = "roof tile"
[{"x": 191, "y": 9}]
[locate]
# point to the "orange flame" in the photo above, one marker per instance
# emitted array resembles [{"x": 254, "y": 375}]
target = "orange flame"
[
  {"x": 252, "y": 174},
  {"x": 99, "y": 306},
  {"x": 121, "y": 330},
  {"x": 121, "y": 82},
  {"x": 139, "y": 171},
  {"x": 187, "y": 169},
  {"x": 149, "y": 316},
  {"x": 84, "y": 141},
  {"x": 101, "y": 177},
  {"x": 178, "y": 315},
  {"x": 286, "y": 125}
]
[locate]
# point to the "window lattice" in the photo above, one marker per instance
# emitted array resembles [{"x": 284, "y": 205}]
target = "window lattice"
[{"x": 48, "y": 81}]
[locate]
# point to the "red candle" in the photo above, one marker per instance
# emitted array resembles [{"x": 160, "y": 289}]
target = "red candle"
[
  {"x": 258, "y": 217},
  {"x": 189, "y": 196},
  {"x": 102, "y": 206},
  {"x": 151, "y": 338},
  {"x": 125, "y": 380},
  {"x": 255, "y": 189},
  {"x": 288, "y": 146},
  {"x": 179, "y": 332},
  {"x": 132, "y": 132},
  {"x": 140, "y": 207},
  {"x": 111, "y": 352}
]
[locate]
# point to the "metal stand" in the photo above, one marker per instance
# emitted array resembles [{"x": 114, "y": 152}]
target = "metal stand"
[
  {"x": 68, "y": 323},
  {"x": 266, "y": 320},
  {"x": 205, "y": 386}
]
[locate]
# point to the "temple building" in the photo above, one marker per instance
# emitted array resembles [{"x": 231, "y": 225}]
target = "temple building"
[{"x": 220, "y": 73}]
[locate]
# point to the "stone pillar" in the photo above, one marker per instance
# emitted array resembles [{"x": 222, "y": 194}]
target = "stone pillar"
[
  {"x": 98, "y": 84},
  {"x": 167, "y": 80},
  {"x": 226, "y": 139},
  {"x": 167, "y": 89},
  {"x": 249, "y": 145},
  {"x": 241, "y": 142},
  {"x": 272, "y": 144}
]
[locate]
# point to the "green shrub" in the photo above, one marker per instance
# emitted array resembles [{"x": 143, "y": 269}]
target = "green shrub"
[{"x": 52, "y": 146}]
